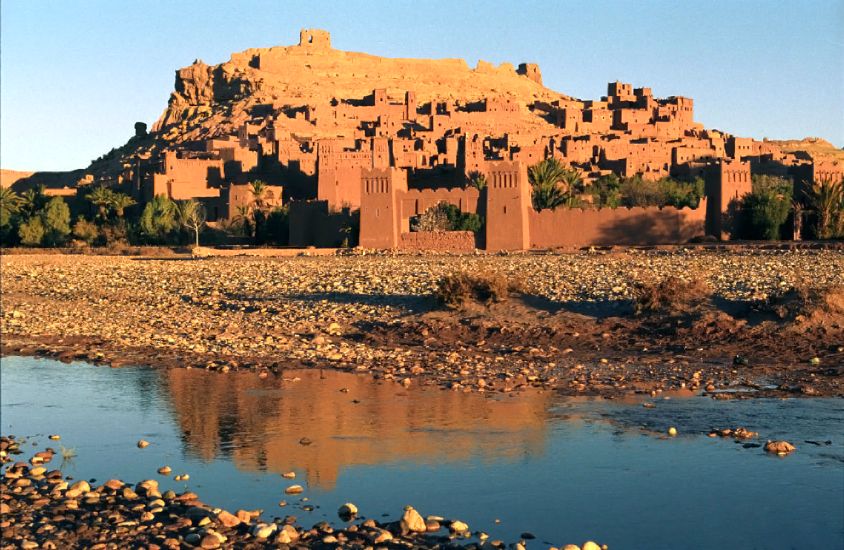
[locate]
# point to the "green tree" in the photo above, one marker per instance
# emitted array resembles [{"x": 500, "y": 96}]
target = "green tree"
[
  {"x": 277, "y": 226},
  {"x": 158, "y": 220},
  {"x": 32, "y": 200},
  {"x": 778, "y": 185},
  {"x": 680, "y": 194},
  {"x": 477, "y": 180},
  {"x": 10, "y": 204},
  {"x": 102, "y": 198},
  {"x": 191, "y": 215},
  {"x": 31, "y": 232},
  {"x": 764, "y": 214},
  {"x": 258, "y": 189},
  {"x": 243, "y": 220},
  {"x": 606, "y": 191},
  {"x": 120, "y": 202},
  {"x": 55, "y": 219},
  {"x": 637, "y": 191},
  {"x": 826, "y": 198},
  {"x": 545, "y": 178}
]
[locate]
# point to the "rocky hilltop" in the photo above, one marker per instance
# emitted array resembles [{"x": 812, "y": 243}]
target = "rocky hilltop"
[{"x": 215, "y": 99}]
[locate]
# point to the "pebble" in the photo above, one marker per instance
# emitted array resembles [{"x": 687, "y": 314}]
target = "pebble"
[
  {"x": 294, "y": 489},
  {"x": 347, "y": 510}
]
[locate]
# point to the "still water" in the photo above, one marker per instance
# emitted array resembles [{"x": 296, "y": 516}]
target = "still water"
[{"x": 565, "y": 470}]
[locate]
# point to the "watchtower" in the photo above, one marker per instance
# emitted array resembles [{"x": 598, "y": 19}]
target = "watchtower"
[
  {"x": 379, "y": 208},
  {"x": 315, "y": 39},
  {"x": 508, "y": 201}
]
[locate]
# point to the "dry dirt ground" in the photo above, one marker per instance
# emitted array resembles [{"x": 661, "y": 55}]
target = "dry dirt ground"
[{"x": 573, "y": 325}]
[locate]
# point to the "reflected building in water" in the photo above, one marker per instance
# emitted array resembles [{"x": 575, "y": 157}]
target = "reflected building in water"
[{"x": 349, "y": 420}]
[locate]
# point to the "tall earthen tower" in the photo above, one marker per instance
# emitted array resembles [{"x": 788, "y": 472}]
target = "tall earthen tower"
[{"x": 507, "y": 207}]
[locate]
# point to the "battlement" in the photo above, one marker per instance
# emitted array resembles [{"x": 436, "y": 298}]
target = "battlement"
[{"x": 315, "y": 39}]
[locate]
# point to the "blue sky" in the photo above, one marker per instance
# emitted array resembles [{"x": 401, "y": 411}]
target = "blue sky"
[{"x": 76, "y": 75}]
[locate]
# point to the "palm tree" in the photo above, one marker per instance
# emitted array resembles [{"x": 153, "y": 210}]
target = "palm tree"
[
  {"x": 191, "y": 215},
  {"x": 477, "y": 180},
  {"x": 10, "y": 204},
  {"x": 102, "y": 198},
  {"x": 545, "y": 178},
  {"x": 244, "y": 218},
  {"x": 258, "y": 188},
  {"x": 32, "y": 200},
  {"x": 826, "y": 198},
  {"x": 573, "y": 185},
  {"x": 120, "y": 202}
]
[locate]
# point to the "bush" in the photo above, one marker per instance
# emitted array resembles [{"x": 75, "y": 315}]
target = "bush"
[
  {"x": 446, "y": 217},
  {"x": 457, "y": 288},
  {"x": 117, "y": 234},
  {"x": 85, "y": 231},
  {"x": 669, "y": 296},
  {"x": 31, "y": 232}
]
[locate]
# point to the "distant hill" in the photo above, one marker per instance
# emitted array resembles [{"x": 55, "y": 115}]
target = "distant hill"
[{"x": 811, "y": 145}]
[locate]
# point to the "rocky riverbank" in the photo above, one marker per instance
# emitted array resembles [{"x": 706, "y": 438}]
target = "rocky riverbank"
[
  {"x": 572, "y": 328},
  {"x": 42, "y": 508}
]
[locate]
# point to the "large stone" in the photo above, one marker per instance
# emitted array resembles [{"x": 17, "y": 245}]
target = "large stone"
[{"x": 412, "y": 521}]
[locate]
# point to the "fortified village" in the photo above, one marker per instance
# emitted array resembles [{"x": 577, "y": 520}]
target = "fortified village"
[{"x": 353, "y": 142}]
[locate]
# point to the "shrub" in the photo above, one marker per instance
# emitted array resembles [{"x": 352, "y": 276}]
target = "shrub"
[
  {"x": 446, "y": 217},
  {"x": 456, "y": 289},
  {"x": 113, "y": 235},
  {"x": 669, "y": 296},
  {"x": 85, "y": 231},
  {"x": 31, "y": 232}
]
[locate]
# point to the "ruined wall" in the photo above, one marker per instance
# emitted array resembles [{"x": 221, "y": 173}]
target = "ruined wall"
[
  {"x": 451, "y": 241},
  {"x": 565, "y": 227}
]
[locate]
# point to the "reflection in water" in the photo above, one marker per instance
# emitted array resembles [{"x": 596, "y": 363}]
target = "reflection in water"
[
  {"x": 349, "y": 419},
  {"x": 585, "y": 469}
]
